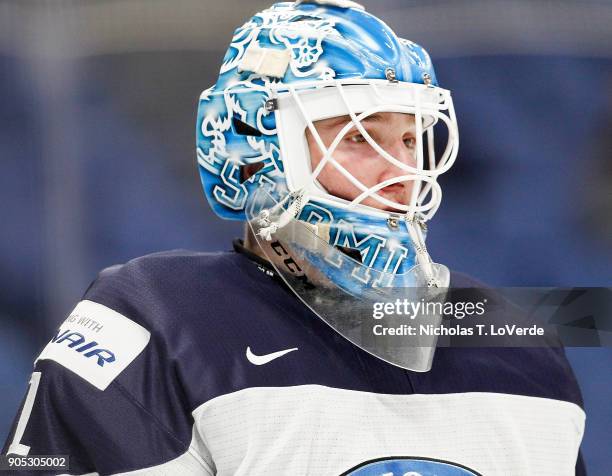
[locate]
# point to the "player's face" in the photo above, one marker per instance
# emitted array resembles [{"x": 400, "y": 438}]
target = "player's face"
[{"x": 393, "y": 131}]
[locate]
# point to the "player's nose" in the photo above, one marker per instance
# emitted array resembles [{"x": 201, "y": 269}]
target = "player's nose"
[{"x": 402, "y": 153}]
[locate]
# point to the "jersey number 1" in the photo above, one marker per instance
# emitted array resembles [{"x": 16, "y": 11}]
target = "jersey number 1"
[{"x": 16, "y": 447}]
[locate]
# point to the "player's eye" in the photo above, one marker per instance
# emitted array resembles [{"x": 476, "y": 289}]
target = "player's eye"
[
  {"x": 410, "y": 142},
  {"x": 356, "y": 139}
]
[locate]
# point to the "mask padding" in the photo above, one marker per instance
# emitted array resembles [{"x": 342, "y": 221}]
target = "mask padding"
[
  {"x": 243, "y": 128},
  {"x": 248, "y": 170}
]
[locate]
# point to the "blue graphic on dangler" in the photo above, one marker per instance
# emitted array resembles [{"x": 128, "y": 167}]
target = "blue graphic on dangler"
[{"x": 410, "y": 467}]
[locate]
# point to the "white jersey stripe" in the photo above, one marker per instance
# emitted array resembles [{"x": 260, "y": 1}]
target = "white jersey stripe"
[{"x": 313, "y": 429}]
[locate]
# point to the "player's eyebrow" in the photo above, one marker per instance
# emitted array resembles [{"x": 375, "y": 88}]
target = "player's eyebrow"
[{"x": 376, "y": 117}]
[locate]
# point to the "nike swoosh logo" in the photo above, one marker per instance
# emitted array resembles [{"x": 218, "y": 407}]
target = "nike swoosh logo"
[{"x": 264, "y": 359}]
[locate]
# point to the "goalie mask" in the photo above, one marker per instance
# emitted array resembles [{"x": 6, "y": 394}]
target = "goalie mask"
[{"x": 263, "y": 159}]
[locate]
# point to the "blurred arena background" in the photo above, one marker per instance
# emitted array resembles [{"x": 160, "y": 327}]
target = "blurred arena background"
[{"x": 97, "y": 120}]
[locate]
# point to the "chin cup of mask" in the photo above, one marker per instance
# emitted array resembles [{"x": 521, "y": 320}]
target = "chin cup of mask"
[{"x": 394, "y": 317}]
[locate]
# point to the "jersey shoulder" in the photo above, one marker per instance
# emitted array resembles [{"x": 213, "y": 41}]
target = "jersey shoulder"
[
  {"x": 137, "y": 319},
  {"x": 155, "y": 290},
  {"x": 164, "y": 272},
  {"x": 118, "y": 362}
]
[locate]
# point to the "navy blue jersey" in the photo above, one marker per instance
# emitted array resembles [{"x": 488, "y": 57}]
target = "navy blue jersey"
[{"x": 204, "y": 364}]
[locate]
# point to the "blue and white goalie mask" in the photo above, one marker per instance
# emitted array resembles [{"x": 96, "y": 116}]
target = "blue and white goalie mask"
[{"x": 320, "y": 133}]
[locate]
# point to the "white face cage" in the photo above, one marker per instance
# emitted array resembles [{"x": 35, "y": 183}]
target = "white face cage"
[{"x": 302, "y": 105}]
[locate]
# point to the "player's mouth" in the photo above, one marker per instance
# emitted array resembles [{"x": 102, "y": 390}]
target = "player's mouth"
[
  {"x": 394, "y": 188},
  {"x": 397, "y": 192}
]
